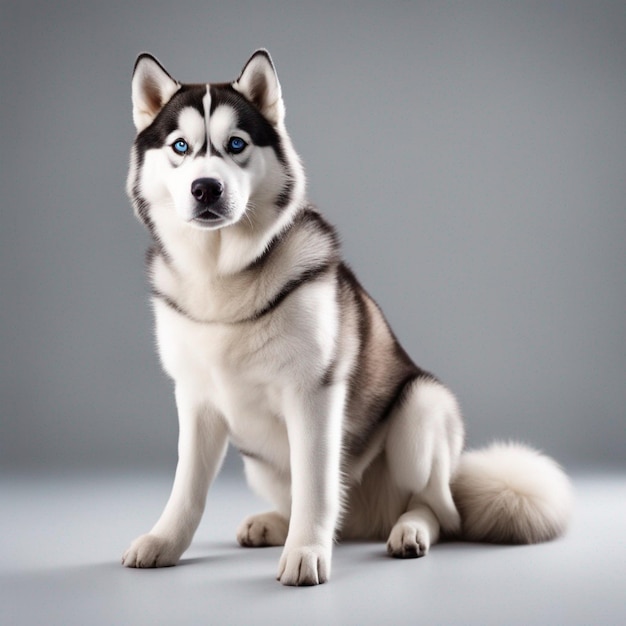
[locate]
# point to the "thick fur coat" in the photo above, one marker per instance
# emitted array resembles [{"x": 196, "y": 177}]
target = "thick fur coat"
[{"x": 275, "y": 348}]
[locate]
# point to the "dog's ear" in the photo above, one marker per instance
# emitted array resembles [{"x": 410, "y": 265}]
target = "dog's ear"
[
  {"x": 258, "y": 82},
  {"x": 152, "y": 87}
]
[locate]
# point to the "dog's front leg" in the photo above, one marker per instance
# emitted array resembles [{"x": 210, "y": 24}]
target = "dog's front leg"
[
  {"x": 201, "y": 447},
  {"x": 314, "y": 426}
]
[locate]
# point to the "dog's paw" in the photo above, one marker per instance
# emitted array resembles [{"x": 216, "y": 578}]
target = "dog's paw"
[
  {"x": 304, "y": 566},
  {"x": 265, "y": 529},
  {"x": 151, "y": 551},
  {"x": 408, "y": 541}
]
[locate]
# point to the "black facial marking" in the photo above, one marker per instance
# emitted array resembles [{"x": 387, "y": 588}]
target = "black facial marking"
[
  {"x": 284, "y": 197},
  {"x": 214, "y": 151},
  {"x": 142, "y": 207},
  {"x": 249, "y": 118},
  {"x": 166, "y": 121},
  {"x": 203, "y": 150}
]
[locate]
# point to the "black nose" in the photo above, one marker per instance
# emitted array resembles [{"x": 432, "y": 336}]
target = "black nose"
[{"x": 207, "y": 191}]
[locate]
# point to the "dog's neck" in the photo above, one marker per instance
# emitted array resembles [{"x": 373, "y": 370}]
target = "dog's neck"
[
  {"x": 217, "y": 254},
  {"x": 194, "y": 284}
]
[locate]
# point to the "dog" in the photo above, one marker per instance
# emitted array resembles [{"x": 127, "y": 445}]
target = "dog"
[{"x": 276, "y": 348}]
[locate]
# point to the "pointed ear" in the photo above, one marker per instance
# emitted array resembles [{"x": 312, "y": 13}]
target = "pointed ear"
[
  {"x": 152, "y": 87},
  {"x": 258, "y": 82}
]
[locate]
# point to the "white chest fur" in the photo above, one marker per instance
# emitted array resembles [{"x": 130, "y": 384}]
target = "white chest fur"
[{"x": 244, "y": 370}]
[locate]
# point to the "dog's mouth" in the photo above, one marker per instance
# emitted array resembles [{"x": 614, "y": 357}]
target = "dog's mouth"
[
  {"x": 207, "y": 216},
  {"x": 208, "y": 219}
]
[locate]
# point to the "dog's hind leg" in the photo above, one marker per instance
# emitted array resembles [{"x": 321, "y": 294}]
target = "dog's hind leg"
[
  {"x": 423, "y": 446},
  {"x": 414, "y": 532},
  {"x": 266, "y": 529}
]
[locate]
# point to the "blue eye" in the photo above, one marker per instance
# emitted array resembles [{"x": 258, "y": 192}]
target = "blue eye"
[
  {"x": 236, "y": 145},
  {"x": 180, "y": 146}
]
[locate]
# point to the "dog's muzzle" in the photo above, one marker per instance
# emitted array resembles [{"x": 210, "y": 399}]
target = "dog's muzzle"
[{"x": 207, "y": 193}]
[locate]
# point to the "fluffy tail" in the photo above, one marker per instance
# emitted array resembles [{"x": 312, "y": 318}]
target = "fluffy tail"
[{"x": 509, "y": 493}]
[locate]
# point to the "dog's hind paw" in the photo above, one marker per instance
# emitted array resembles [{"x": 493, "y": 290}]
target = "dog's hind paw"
[
  {"x": 265, "y": 529},
  {"x": 151, "y": 551},
  {"x": 407, "y": 541}
]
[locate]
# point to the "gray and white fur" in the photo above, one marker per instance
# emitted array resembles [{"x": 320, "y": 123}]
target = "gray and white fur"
[{"x": 275, "y": 348}]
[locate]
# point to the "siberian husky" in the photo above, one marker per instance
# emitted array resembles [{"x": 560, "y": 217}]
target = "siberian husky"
[{"x": 274, "y": 346}]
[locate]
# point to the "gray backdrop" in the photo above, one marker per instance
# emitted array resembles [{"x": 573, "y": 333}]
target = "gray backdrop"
[{"x": 472, "y": 155}]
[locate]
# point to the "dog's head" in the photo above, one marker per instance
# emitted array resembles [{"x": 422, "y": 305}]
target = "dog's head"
[{"x": 211, "y": 153}]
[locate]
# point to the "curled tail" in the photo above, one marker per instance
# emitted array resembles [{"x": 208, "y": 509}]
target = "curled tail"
[{"x": 510, "y": 493}]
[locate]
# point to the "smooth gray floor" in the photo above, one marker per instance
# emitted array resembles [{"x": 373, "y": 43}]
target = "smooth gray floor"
[{"x": 62, "y": 537}]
